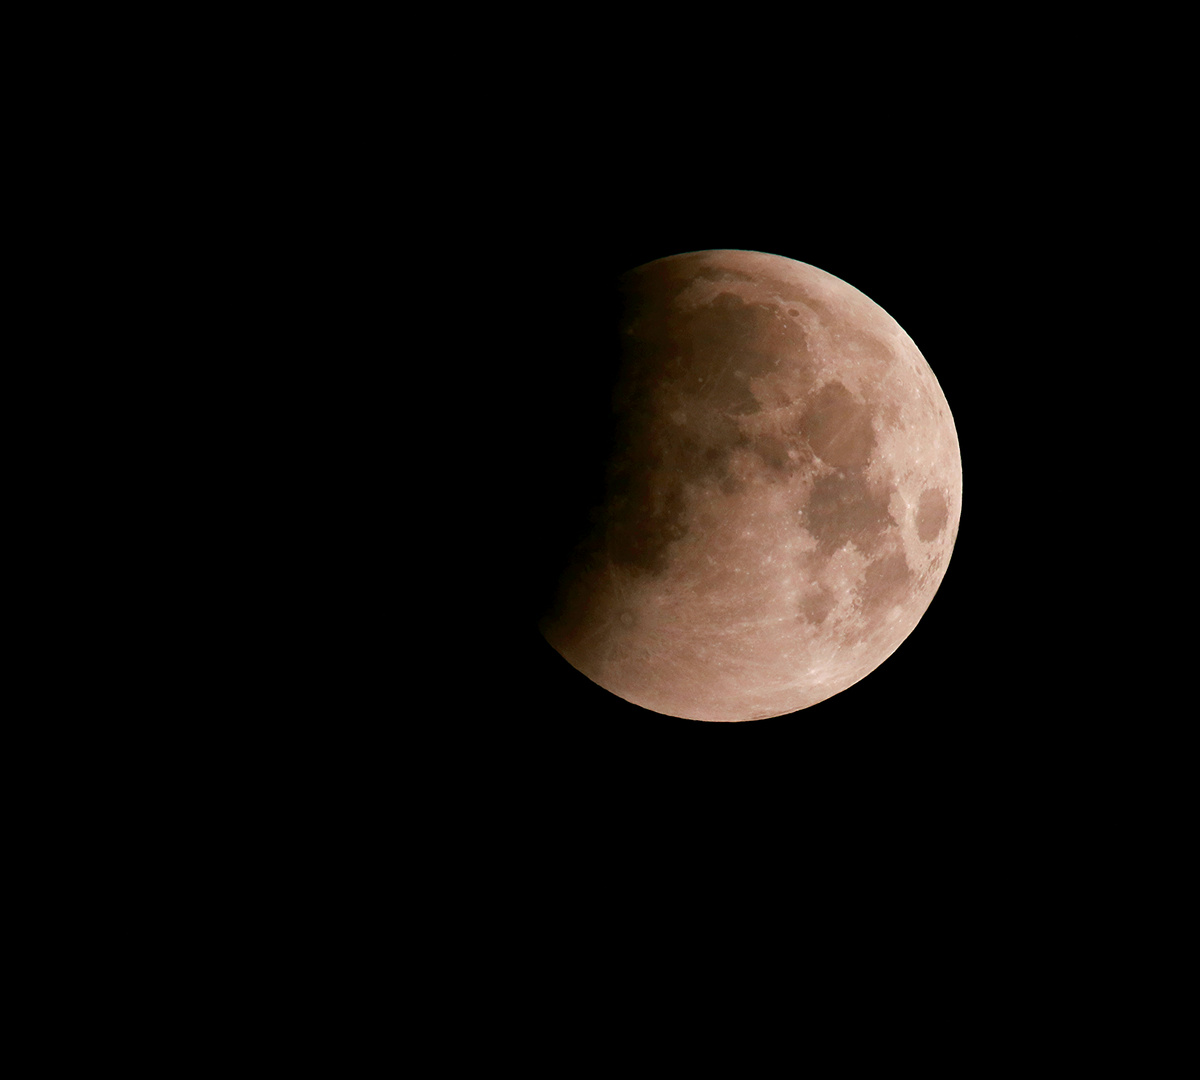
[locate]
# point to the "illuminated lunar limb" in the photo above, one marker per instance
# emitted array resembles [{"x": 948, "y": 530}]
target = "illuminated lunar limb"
[{"x": 782, "y": 501}]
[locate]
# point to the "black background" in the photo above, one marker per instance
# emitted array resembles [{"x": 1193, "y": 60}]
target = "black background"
[
  {"x": 978, "y": 233},
  {"x": 951, "y": 795},
  {"x": 958, "y": 785},
  {"x": 472, "y": 220},
  {"x": 945, "y": 264}
]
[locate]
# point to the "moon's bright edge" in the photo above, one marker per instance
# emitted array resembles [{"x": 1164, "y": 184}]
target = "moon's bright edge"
[{"x": 783, "y": 500}]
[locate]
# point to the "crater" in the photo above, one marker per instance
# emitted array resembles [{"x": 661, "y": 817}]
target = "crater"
[{"x": 811, "y": 302}]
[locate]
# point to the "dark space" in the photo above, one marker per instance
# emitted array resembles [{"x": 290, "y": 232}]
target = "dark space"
[{"x": 950, "y": 262}]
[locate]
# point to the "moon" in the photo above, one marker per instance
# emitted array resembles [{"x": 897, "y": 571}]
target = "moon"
[{"x": 781, "y": 500}]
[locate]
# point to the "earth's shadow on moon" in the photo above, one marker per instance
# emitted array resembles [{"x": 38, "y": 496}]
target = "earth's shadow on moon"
[{"x": 582, "y": 436}]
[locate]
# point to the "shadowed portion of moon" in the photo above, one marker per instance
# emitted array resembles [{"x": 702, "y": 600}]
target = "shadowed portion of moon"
[{"x": 781, "y": 497}]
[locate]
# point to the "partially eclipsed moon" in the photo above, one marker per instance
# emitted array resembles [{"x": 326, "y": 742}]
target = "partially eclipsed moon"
[{"x": 782, "y": 501}]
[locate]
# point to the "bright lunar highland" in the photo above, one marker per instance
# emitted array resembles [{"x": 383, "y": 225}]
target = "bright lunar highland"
[{"x": 781, "y": 501}]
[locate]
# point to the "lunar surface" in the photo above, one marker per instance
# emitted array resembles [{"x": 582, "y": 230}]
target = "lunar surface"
[{"x": 781, "y": 502}]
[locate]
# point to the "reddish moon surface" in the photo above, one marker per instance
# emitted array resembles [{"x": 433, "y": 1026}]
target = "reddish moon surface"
[{"x": 781, "y": 502}]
